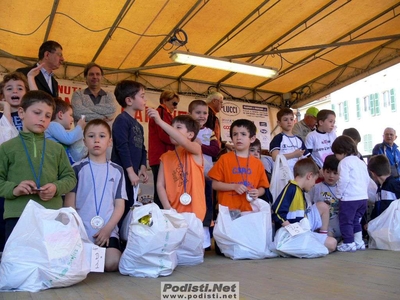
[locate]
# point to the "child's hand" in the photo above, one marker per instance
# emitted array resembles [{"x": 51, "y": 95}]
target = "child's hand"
[
  {"x": 134, "y": 179},
  {"x": 253, "y": 193},
  {"x": 153, "y": 113},
  {"x": 26, "y": 187},
  {"x": 81, "y": 123},
  {"x": 35, "y": 71},
  {"x": 102, "y": 236},
  {"x": 298, "y": 153},
  {"x": 240, "y": 188},
  {"x": 47, "y": 191},
  {"x": 198, "y": 141},
  {"x": 143, "y": 174}
]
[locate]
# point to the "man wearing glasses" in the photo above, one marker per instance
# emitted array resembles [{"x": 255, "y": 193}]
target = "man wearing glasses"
[{"x": 50, "y": 58}]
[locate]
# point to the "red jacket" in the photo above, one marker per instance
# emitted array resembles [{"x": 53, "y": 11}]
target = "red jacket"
[{"x": 159, "y": 141}]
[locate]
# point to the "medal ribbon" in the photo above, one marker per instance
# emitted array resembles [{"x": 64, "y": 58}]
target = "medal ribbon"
[
  {"x": 37, "y": 178},
  {"x": 94, "y": 185},
  {"x": 240, "y": 169},
  {"x": 183, "y": 170}
]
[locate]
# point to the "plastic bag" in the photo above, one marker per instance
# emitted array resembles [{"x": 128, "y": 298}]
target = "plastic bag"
[
  {"x": 303, "y": 245},
  {"x": 248, "y": 236},
  {"x": 281, "y": 175},
  {"x": 47, "y": 249},
  {"x": 124, "y": 230},
  {"x": 191, "y": 250},
  {"x": 7, "y": 130},
  {"x": 151, "y": 247},
  {"x": 384, "y": 230}
]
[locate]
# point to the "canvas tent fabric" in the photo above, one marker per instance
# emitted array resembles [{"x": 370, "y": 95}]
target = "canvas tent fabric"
[{"x": 317, "y": 46}]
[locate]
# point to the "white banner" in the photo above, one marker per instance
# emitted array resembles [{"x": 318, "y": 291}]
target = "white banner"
[{"x": 257, "y": 113}]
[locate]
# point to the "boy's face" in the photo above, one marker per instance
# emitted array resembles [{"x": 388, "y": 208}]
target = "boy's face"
[
  {"x": 97, "y": 139},
  {"x": 200, "y": 114},
  {"x": 241, "y": 138},
  {"x": 328, "y": 125},
  {"x": 138, "y": 102},
  {"x": 286, "y": 123},
  {"x": 13, "y": 92},
  {"x": 255, "y": 151},
  {"x": 182, "y": 129},
  {"x": 66, "y": 119},
  {"x": 36, "y": 118},
  {"x": 330, "y": 176},
  {"x": 310, "y": 182}
]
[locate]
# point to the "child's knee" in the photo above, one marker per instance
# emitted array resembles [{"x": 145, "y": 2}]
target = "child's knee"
[{"x": 330, "y": 243}]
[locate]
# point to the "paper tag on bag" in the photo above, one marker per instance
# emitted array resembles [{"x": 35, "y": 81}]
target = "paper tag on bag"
[
  {"x": 97, "y": 260},
  {"x": 294, "y": 229}
]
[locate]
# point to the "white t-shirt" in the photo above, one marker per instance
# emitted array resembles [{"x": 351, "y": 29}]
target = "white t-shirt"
[{"x": 320, "y": 143}]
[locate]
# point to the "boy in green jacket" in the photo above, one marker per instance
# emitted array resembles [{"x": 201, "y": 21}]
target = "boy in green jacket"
[{"x": 32, "y": 167}]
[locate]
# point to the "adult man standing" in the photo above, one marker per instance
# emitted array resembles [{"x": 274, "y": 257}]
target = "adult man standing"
[
  {"x": 93, "y": 102},
  {"x": 51, "y": 58},
  {"x": 214, "y": 101},
  {"x": 306, "y": 125},
  {"x": 390, "y": 150}
]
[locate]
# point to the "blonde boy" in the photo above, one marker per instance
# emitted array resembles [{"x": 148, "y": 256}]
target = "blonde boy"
[
  {"x": 60, "y": 131},
  {"x": 291, "y": 206}
]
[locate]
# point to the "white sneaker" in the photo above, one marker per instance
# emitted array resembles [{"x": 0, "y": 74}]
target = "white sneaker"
[
  {"x": 347, "y": 247},
  {"x": 360, "y": 246}
]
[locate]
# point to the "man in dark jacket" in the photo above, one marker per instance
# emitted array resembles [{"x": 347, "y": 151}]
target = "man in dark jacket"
[{"x": 50, "y": 55}]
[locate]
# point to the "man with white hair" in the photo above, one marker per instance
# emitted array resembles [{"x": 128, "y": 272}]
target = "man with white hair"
[
  {"x": 214, "y": 101},
  {"x": 390, "y": 150}
]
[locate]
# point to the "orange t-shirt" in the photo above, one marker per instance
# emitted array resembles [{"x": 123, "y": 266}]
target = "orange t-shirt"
[
  {"x": 227, "y": 170},
  {"x": 195, "y": 183}
]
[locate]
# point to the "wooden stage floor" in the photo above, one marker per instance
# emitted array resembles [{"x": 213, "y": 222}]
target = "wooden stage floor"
[{"x": 370, "y": 274}]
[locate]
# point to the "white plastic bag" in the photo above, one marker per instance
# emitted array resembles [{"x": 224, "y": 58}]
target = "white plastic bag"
[
  {"x": 248, "y": 236},
  {"x": 7, "y": 130},
  {"x": 303, "y": 245},
  {"x": 151, "y": 250},
  {"x": 384, "y": 230},
  {"x": 124, "y": 230},
  {"x": 191, "y": 250},
  {"x": 47, "y": 249},
  {"x": 280, "y": 176}
]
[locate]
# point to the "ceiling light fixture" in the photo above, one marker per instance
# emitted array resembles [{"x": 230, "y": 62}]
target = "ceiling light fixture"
[{"x": 222, "y": 64}]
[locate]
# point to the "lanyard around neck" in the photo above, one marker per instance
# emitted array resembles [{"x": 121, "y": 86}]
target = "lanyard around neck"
[
  {"x": 94, "y": 187},
  {"x": 183, "y": 169},
  {"x": 240, "y": 169},
  {"x": 37, "y": 178},
  {"x": 333, "y": 194}
]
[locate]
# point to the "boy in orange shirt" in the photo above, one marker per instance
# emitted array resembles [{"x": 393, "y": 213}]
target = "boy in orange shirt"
[
  {"x": 239, "y": 177},
  {"x": 180, "y": 182}
]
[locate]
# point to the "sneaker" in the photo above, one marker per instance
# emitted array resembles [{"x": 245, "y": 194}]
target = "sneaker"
[
  {"x": 360, "y": 246},
  {"x": 347, "y": 247}
]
